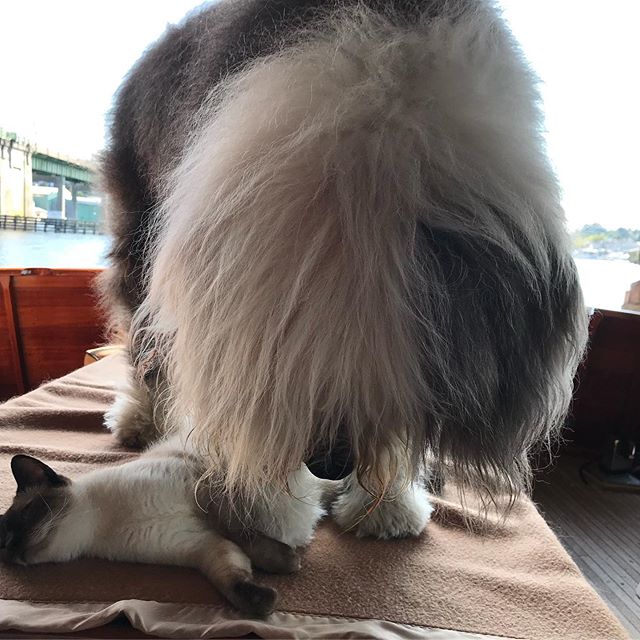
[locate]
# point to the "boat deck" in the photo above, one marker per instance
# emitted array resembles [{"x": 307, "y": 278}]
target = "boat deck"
[{"x": 601, "y": 531}]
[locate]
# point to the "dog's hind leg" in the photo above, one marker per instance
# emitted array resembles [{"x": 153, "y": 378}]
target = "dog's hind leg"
[
  {"x": 402, "y": 510},
  {"x": 272, "y": 520},
  {"x": 131, "y": 416}
]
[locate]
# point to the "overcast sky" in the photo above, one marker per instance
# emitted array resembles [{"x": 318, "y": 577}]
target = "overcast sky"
[{"x": 61, "y": 62}]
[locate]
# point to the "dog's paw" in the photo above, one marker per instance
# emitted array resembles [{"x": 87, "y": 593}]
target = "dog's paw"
[
  {"x": 130, "y": 421},
  {"x": 131, "y": 438},
  {"x": 400, "y": 516}
]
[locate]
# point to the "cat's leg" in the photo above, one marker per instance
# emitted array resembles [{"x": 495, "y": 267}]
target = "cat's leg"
[
  {"x": 403, "y": 510},
  {"x": 188, "y": 542},
  {"x": 270, "y": 555},
  {"x": 269, "y": 526},
  {"x": 131, "y": 416},
  {"x": 266, "y": 554},
  {"x": 229, "y": 570}
]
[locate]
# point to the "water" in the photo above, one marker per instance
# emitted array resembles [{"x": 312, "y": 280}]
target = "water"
[
  {"x": 53, "y": 250},
  {"x": 604, "y": 281}
]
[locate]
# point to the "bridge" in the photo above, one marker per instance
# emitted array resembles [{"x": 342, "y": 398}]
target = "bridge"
[{"x": 56, "y": 180}]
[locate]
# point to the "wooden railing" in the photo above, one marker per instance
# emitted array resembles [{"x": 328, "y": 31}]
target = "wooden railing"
[{"x": 50, "y": 317}]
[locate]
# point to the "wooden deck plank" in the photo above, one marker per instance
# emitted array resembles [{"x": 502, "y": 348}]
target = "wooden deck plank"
[
  {"x": 599, "y": 529},
  {"x": 610, "y": 554}
]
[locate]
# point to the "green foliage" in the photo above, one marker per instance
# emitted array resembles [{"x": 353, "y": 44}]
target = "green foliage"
[
  {"x": 592, "y": 229},
  {"x": 596, "y": 236},
  {"x": 580, "y": 241}
]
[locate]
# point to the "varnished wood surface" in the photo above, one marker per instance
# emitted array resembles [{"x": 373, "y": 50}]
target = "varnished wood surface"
[
  {"x": 607, "y": 399},
  {"x": 48, "y": 319},
  {"x": 58, "y": 320},
  {"x": 11, "y": 371},
  {"x": 601, "y": 531}
]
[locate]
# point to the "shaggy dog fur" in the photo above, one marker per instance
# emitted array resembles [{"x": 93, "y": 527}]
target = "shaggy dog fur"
[{"x": 336, "y": 220}]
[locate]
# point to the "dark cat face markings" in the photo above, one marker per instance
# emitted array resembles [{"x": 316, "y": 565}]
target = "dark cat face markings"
[
  {"x": 32, "y": 473},
  {"x": 40, "y": 498}
]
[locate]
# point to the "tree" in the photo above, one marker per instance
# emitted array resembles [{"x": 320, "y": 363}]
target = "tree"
[
  {"x": 622, "y": 234},
  {"x": 592, "y": 229}
]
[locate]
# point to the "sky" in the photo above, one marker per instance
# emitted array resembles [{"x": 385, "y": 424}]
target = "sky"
[{"x": 61, "y": 62}]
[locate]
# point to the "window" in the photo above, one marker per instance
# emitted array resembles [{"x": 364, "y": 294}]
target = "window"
[{"x": 585, "y": 53}]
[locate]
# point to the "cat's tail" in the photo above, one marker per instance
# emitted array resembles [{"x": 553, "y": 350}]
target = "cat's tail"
[{"x": 365, "y": 235}]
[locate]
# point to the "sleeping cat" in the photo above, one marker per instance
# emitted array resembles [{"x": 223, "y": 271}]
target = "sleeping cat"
[{"x": 141, "y": 511}]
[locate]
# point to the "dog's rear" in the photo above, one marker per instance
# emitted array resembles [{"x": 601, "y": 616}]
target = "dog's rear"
[{"x": 356, "y": 228}]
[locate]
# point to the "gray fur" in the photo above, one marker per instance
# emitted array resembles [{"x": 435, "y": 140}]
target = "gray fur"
[{"x": 336, "y": 217}]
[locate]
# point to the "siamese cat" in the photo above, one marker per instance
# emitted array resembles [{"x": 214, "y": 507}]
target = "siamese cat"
[{"x": 142, "y": 511}]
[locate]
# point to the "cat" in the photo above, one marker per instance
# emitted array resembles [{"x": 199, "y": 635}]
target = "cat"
[{"x": 146, "y": 510}]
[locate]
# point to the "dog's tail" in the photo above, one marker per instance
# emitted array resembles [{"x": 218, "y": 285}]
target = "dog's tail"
[{"x": 365, "y": 234}]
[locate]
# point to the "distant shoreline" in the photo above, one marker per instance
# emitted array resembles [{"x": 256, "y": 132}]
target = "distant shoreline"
[{"x": 604, "y": 282}]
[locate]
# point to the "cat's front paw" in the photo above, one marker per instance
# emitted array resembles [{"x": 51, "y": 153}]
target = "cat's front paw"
[
  {"x": 398, "y": 516},
  {"x": 284, "y": 559},
  {"x": 271, "y": 556},
  {"x": 253, "y": 598}
]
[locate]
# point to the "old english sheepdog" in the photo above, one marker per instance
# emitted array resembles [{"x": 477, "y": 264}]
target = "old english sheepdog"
[{"x": 340, "y": 253}]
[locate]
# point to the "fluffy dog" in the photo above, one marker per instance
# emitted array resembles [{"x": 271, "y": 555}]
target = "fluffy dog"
[{"x": 338, "y": 239}]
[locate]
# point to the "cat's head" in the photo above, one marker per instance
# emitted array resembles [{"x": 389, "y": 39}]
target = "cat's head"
[{"x": 40, "y": 500}]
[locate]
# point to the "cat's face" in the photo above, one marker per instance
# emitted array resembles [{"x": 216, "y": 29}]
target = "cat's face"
[{"x": 40, "y": 500}]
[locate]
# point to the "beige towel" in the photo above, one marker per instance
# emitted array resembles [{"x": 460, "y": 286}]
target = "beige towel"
[{"x": 514, "y": 580}]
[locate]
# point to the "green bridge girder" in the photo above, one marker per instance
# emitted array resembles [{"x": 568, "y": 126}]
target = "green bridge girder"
[{"x": 57, "y": 167}]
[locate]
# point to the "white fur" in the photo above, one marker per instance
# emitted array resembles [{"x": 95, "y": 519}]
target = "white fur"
[
  {"x": 399, "y": 515},
  {"x": 157, "y": 494},
  {"x": 292, "y": 517},
  {"x": 281, "y": 281},
  {"x": 72, "y": 540},
  {"x": 141, "y": 511},
  {"x": 131, "y": 416}
]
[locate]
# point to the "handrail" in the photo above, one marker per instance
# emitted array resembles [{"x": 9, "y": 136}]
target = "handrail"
[
  {"x": 60, "y": 225},
  {"x": 48, "y": 271}
]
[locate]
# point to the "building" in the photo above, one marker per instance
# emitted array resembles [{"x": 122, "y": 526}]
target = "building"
[{"x": 16, "y": 177}]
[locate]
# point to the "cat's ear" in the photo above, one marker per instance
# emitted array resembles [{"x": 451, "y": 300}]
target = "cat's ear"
[{"x": 30, "y": 472}]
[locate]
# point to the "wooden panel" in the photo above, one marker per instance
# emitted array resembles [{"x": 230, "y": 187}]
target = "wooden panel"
[
  {"x": 607, "y": 398},
  {"x": 55, "y": 320},
  {"x": 58, "y": 320},
  {"x": 11, "y": 381}
]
